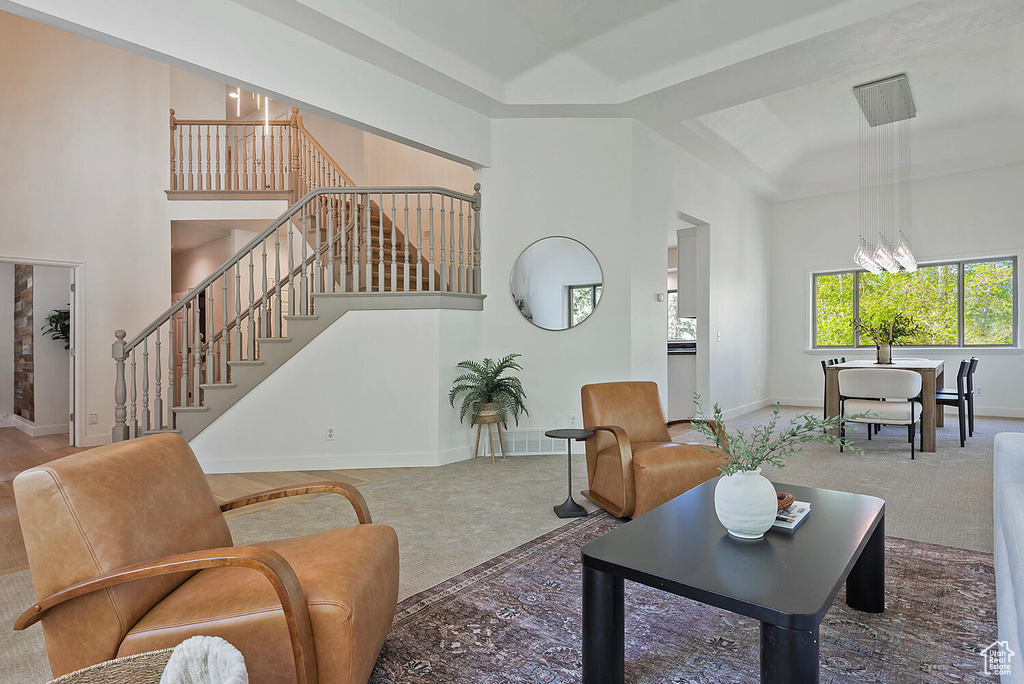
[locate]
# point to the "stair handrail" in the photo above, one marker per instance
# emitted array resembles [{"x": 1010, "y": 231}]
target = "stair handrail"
[
  {"x": 296, "y": 122},
  {"x": 270, "y": 230}
]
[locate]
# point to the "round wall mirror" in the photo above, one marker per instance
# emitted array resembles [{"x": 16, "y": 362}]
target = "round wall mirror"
[{"x": 556, "y": 283}]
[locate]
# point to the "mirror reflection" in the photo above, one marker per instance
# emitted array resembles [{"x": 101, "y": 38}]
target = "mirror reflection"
[{"x": 556, "y": 283}]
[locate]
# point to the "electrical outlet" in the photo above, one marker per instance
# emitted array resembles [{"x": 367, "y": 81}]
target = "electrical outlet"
[
  {"x": 757, "y": 388},
  {"x": 719, "y": 337},
  {"x": 574, "y": 421},
  {"x": 330, "y": 434},
  {"x": 978, "y": 391},
  {"x": 94, "y": 418}
]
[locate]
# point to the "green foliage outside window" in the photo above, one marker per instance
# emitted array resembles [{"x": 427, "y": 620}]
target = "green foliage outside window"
[
  {"x": 931, "y": 296},
  {"x": 679, "y": 329},
  {"x": 834, "y": 310},
  {"x": 928, "y": 295},
  {"x": 988, "y": 302},
  {"x": 583, "y": 299}
]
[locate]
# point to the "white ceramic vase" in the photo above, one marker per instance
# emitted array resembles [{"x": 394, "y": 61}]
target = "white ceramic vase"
[{"x": 746, "y": 504}]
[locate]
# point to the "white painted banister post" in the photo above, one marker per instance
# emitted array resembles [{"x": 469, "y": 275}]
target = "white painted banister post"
[
  {"x": 476, "y": 239},
  {"x": 119, "y": 432}
]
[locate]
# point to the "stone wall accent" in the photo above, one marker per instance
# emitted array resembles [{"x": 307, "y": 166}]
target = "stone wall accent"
[{"x": 24, "y": 359}]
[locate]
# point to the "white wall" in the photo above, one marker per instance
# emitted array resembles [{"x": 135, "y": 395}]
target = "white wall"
[
  {"x": 190, "y": 266},
  {"x": 390, "y": 163},
  {"x": 231, "y": 42},
  {"x": 543, "y": 274},
  {"x": 6, "y": 343},
  {"x": 51, "y": 362},
  {"x": 963, "y": 215},
  {"x": 84, "y": 134},
  {"x": 545, "y": 179},
  {"x": 196, "y": 97},
  {"x": 385, "y": 397},
  {"x": 667, "y": 180}
]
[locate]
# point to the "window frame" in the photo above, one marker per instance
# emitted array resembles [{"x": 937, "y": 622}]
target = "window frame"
[{"x": 961, "y": 296}]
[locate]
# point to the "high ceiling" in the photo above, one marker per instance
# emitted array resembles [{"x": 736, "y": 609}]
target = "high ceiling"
[{"x": 760, "y": 90}]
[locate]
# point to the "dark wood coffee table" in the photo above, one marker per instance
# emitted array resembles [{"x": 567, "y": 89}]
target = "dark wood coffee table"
[{"x": 787, "y": 580}]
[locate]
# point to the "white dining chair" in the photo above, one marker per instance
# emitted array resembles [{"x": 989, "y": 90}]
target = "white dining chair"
[{"x": 863, "y": 390}]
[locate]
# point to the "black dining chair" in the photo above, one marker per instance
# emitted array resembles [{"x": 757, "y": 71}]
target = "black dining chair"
[
  {"x": 970, "y": 395},
  {"x": 958, "y": 397},
  {"x": 825, "y": 363}
]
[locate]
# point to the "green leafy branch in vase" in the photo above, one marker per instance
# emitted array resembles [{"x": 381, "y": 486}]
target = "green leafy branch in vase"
[
  {"x": 896, "y": 330},
  {"x": 767, "y": 444}
]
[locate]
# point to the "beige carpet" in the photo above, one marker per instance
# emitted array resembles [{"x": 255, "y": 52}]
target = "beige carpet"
[{"x": 452, "y": 518}]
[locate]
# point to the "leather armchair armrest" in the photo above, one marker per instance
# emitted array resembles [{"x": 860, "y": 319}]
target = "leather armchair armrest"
[
  {"x": 626, "y": 462},
  {"x": 343, "y": 488},
  {"x": 271, "y": 564},
  {"x": 680, "y": 421}
]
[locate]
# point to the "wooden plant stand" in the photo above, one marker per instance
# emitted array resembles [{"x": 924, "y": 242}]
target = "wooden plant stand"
[{"x": 489, "y": 421}]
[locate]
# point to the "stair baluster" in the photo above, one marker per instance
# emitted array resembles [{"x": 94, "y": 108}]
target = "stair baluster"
[
  {"x": 146, "y": 421},
  {"x": 133, "y": 423},
  {"x": 197, "y": 355}
]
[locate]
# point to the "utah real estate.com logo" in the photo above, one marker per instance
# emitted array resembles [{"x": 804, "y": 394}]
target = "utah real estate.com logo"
[{"x": 997, "y": 657}]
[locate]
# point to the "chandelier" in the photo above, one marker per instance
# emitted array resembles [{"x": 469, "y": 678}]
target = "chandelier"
[{"x": 885, "y": 217}]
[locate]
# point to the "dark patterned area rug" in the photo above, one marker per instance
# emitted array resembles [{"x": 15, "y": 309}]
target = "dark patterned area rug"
[{"x": 516, "y": 618}]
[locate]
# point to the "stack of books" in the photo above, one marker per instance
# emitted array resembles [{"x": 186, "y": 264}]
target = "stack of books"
[{"x": 789, "y": 519}]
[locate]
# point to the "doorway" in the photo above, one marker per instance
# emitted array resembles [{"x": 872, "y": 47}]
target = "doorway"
[
  {"x": 689, "y": 348},
  {"x": 40, "y": 385}
]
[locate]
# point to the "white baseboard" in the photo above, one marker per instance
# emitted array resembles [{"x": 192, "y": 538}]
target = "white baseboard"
[
  {"x": 96, "y": 440},
  {"x": 272, "y": 464},
  {"x": 33, "y": 430},
  {"x": 743, "y": 410}
]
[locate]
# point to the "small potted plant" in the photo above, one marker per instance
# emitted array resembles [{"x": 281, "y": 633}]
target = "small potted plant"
[
  {"x": 58, "y": 326},
  {"x": 745, "y": 501},
  {"x": 487, "y": 392},
  {"x": 885, "y": 332}
]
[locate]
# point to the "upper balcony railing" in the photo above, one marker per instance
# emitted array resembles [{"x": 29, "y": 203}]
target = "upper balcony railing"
[{"x": 255, "y": 156}]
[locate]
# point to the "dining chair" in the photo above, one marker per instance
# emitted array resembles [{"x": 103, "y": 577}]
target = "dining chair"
[
  {"x": 958, "y": 398},
  {"x": 864, "y": 390},
  {"x": 970, "y": 394},
  {"x": 825, "y": 363},
  {"x": 962, "y": 397}
]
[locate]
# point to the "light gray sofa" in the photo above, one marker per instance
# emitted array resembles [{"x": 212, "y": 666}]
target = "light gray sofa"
[{"x": 1008, "y": 507}]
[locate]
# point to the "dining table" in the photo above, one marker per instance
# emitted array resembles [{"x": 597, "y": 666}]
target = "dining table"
[{"x": 931, "y": 378}]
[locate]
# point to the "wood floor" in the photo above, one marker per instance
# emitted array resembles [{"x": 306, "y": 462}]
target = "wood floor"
[{"x": 20, "y": 452}]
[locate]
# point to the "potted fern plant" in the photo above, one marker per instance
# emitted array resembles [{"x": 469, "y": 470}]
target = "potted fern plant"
[{"x": 488, "y": 389}]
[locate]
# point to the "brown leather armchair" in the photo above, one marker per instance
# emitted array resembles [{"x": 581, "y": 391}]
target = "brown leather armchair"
[
  {"x": 632, "y": 463},
  {"x": 130, "y": 552}
]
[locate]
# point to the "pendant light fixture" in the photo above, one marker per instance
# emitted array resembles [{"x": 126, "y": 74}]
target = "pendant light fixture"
[{"x": 885, "y": 217}]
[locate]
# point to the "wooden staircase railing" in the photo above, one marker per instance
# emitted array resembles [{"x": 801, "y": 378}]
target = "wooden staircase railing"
[
  {"x": 332, "y": 241},
  {"x": 209, "y": 155}
]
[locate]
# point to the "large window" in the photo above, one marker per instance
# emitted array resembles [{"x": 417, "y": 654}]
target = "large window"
[{"x": 963, "y": 303}]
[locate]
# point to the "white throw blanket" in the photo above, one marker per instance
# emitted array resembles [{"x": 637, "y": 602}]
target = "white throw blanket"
[{"x": 205, "y": 660}]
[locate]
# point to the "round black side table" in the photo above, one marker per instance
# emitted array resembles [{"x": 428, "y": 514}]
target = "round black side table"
[{"x": 569, "y": 509}]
